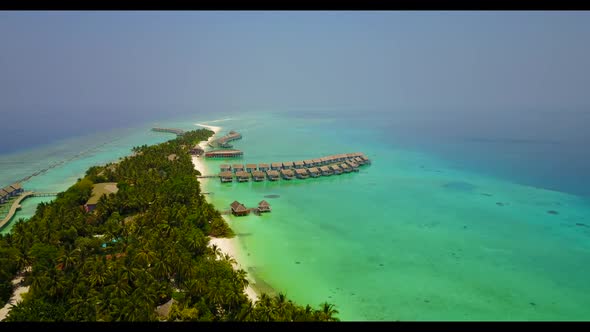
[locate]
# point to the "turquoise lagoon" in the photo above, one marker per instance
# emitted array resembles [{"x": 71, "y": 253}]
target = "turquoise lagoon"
[{"x": 410, "y": 237}]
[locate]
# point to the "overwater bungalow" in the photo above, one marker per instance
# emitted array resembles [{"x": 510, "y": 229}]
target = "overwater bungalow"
[
  {"x": 314, "y": 172},
  {"x": 226, "y": 176},
  {"x": 3, "y": 196},
  {"x": 225, "y": 167},
  {"x": 317, "y": 162},
  {"x": 258, "y": 176},
  {"x": 250, "y": 167},
  {"x": 287, "y": 174},
  {"x": 323, "y": 161},
  {"x": 337, "y": 170},
  {"x": 326, "y": 171},
  {"x": 276, "y": 166},
  {"x": 353, "y": 166},
  {"x": 308, "y": 163},
  {"x": 345, "y": 168},
  {"x": 298, "y": 164},
  {"x": 263, "y": 167},
  {"x": 301, "y": 173},
  {"x": 224, "y": 154},
  {"x": 10, "y": 191},
  {"x": 243, "y": 176},
  {"x": 366, "y": 159},
  {"x": 238, "y": 209},
  {"x": 263, "y": 206},
  {"x": 288, "y": 165},
  {"x": 17, "y": 188},
  {"x": 237, "y": 168},
  {"x": 359, "y": 161},
  {"x": 272, "y": 175}
]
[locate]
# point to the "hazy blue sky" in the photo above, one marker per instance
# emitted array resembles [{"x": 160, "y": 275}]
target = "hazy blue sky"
[{"x": 73, "y": 65}]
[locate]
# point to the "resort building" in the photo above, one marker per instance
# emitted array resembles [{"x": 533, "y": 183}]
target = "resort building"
[
  {"x": 225, "y": 168},
  {"x": 226, "y": 176},
  {"x": 238, "y": 209},
  {"x": 288, "y": 165},
  {"x": 359, "y": 161},
  {"x": 314, "y": 172},
  {"x": 301, "y": 173},
  {"x": 298, "y": 164},
  {"x": 308, "y": 163},
  {"x": 263, "y": 206},
  {"x": 326, "y": 171},
  {"x": 243, "y": 176},
  {"x": 365, "y": 159},
  {"x": 337, "y": 170},
  {"x": 99, "y": 190},
  {"x": 17, "y": 188},
  {"x": 276, "y": 166},
  {"x": 317, "y": 162},
  {"x": 258, "y": 176},
  {"x": 237, "y": 168},
  {"x": 272, "y": 175},
  {"x": 263, "y": 167},
  {"x": 197, "y": 150},
  {"x": 224, "y": 154},
  {"x": 250, "y": 167},
  {"x": 287, "y": 174}
]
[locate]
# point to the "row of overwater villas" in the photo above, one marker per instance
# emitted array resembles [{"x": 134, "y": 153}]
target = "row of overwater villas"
[
  {"x": 13, "y": 190},
  {"x": 338, "y": 164}
]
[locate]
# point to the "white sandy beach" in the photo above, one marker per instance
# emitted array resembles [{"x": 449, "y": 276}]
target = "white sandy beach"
[
  {"x": 227, "y": 246},
  {"x": 16, "y": 297}
]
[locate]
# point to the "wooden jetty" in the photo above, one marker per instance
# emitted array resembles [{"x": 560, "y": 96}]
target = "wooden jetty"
[{"x": 175, "y": 131}]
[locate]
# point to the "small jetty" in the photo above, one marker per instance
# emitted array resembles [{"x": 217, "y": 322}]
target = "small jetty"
[
  {"x": 178, "y": 132},
  {"x": 223, "y": 142},
  {"x": 287, "y": 170}
]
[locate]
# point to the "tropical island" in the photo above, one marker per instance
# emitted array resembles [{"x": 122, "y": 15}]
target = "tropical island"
[{"x": 130, "y": 242}]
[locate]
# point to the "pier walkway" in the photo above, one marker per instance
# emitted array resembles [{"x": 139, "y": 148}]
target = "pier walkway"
[
  {"x": 15, "y": 206},
  {"x": 176, "y": 131}
]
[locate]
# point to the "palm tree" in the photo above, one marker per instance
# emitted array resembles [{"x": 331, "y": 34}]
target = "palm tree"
[{"x": 327, "y": 312}]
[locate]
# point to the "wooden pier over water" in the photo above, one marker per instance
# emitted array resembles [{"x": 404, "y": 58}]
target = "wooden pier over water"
[{"x": 175, "y": 131}]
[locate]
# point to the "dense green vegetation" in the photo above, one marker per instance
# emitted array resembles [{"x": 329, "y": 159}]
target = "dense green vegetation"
[{"x": 139, "y": 248}]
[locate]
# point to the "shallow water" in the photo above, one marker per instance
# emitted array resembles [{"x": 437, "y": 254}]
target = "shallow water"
[{"x": 410, "y": 237}]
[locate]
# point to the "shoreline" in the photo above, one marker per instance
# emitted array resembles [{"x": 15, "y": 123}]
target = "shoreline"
[{"x": 227, "y": 246}]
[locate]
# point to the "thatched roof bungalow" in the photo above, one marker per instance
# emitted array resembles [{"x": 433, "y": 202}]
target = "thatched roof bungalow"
[
  {"x": 301, "y": 173},
  {"x": 226, "y": 176},
  {"x": 258, "y": 176},
  {"x": 288, "y": 165},
  {"x": 287, "y": 174},
  {"x": 276, "y": 166},
  {"x": 353, "y": 166},
  {"x": 326, "y": 171},
  {"x": 317, "y": 162},
  {"x": 224, "y": 167},
  {"x": 250, "y": 167},
  {"x": 345, "y": 168},
  {"x": 263, "y": 167},
  {"x": 272, "y": 175},
  {"x": 243, "y": 176},
  {"x": 298, "y": 164},
  {"x": 238, "y": 209},
  {"x": 314, "y": 172},
  {"x": 237, "y": 168},
  {"x": 337, "y": 170},
  {"x": 263, "y": 206}
]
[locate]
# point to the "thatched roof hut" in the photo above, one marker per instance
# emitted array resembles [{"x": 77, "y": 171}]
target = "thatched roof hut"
[{"x": 263, "y": 206}]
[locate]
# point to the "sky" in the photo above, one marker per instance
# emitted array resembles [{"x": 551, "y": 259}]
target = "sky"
[{"x": 59, "y": 68}]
